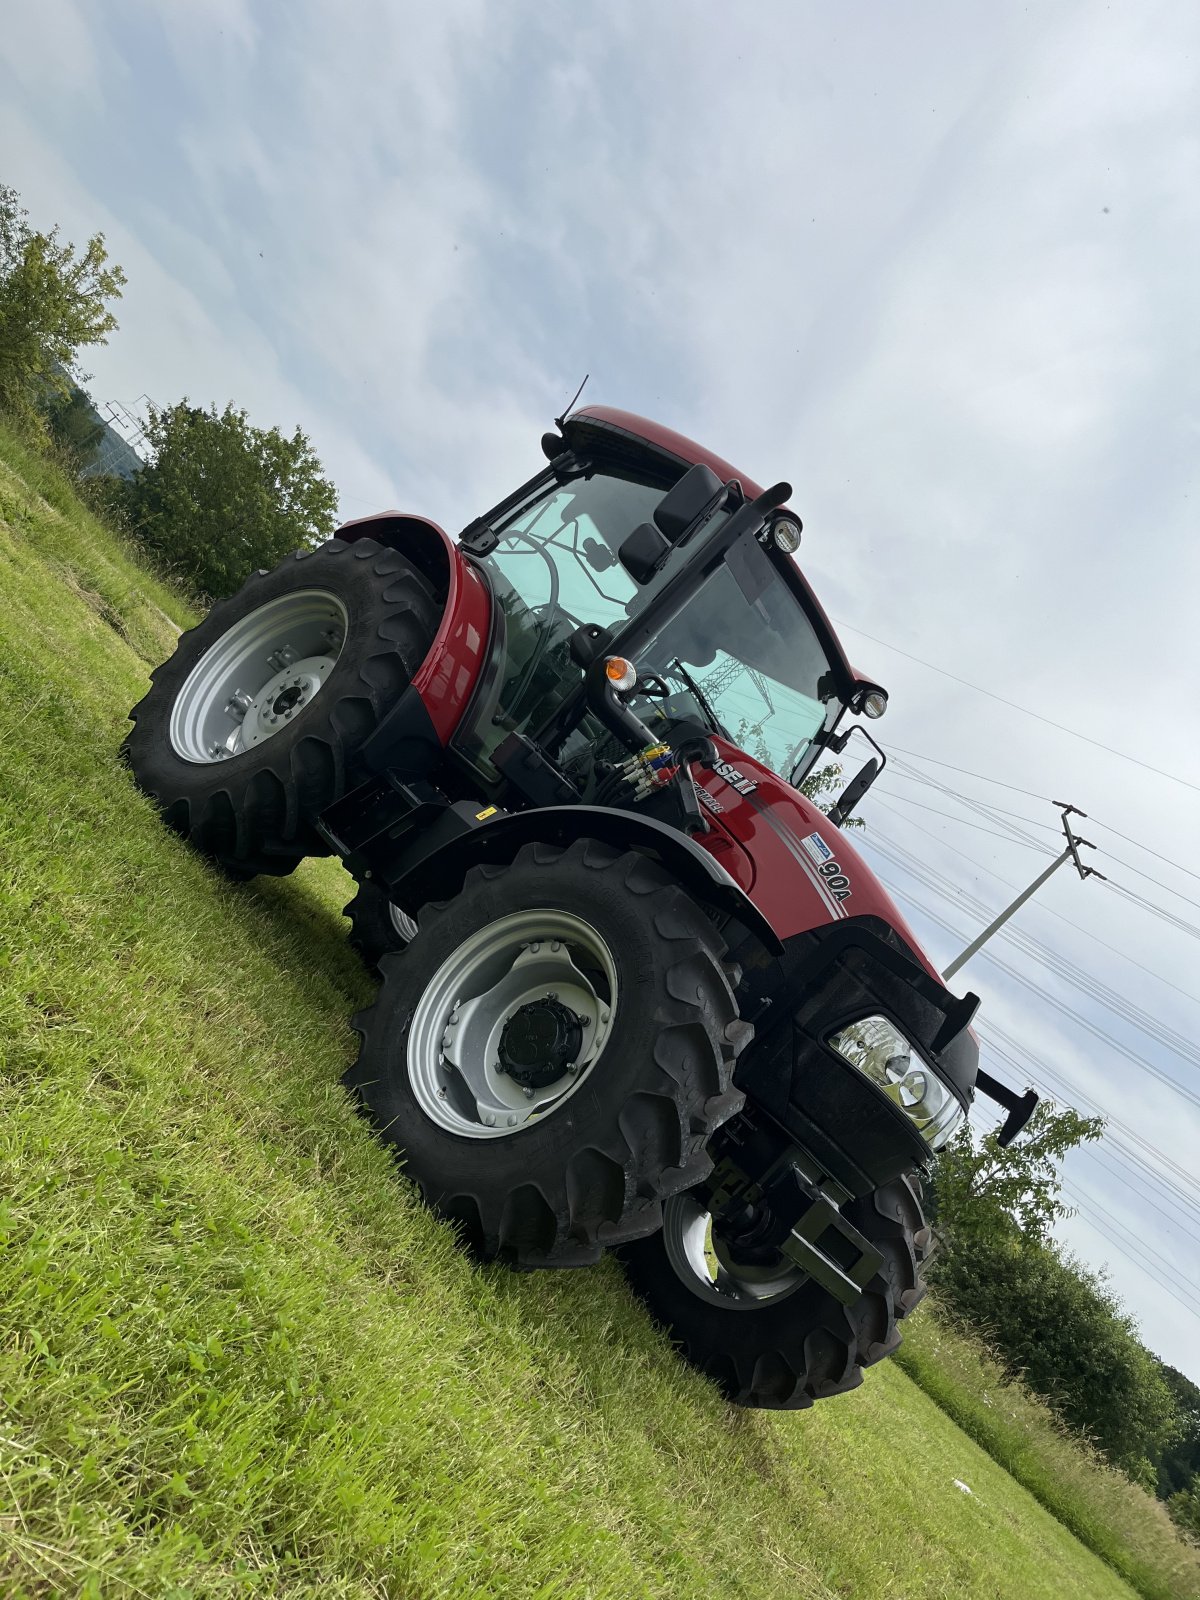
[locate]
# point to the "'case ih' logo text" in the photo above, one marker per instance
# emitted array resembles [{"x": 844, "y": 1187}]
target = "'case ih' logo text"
[{"x": 735, "y": 779}]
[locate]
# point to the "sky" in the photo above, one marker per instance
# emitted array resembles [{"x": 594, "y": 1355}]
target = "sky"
[{"x": 934, "y": 265}]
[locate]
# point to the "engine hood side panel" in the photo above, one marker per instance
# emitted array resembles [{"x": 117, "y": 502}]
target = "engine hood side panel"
[{"x": 805, "y": 871}]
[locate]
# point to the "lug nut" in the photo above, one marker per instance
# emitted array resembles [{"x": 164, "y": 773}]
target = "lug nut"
[{"x": 527, "y": 1092}]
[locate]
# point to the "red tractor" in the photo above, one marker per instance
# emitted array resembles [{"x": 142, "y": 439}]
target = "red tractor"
[{"x": 637, "y": 990}]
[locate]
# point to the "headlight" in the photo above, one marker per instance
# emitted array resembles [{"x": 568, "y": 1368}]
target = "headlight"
[{"x": 880, "y": 1052}]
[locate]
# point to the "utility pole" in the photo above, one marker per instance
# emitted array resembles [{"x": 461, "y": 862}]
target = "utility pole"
[{"x": 1071, "y": 853}]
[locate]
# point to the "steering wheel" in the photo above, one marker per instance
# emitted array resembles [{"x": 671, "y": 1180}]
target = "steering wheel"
[{"x": 551, "y": 611}]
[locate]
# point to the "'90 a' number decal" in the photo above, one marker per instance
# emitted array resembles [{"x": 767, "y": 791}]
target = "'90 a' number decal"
[
  {"x": 839, "y": 883},
  {"x": 836, "y": 880}
]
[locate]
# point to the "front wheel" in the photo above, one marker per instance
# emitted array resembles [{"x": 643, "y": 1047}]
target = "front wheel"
[
  {"x": 552, "y": 1052},
  {"x": 766, "y": 1334}
]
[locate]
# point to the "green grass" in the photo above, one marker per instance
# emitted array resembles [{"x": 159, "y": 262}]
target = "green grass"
[
  {"x": 237, "y": 1358},
  {"x": 1112, "y": 1516}
]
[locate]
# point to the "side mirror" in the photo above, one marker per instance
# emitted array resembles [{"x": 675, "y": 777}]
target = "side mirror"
[
  {"x": 649, "y": 545},
  {"x": 689, "y": 499},
  {"x": 643, "y": 552},
  {"x": 853, "y": 792}
]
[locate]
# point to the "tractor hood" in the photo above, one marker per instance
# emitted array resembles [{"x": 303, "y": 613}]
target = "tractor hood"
[{"x": 778, "y": 838}]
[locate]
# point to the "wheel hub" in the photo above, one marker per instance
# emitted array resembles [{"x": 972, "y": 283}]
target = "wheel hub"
[
  {"x": 512, "y": 1023},
  {"x": 259, "y": 676},
  {"x": 712, "y": 1265},
  {"x": 540, "y": 1042}
]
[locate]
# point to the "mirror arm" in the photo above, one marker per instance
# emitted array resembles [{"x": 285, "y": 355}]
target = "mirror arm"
[{"x": 853, "y": 793}]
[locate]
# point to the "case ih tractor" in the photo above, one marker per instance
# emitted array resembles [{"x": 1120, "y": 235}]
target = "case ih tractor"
[{"x": 637, "y": 992}]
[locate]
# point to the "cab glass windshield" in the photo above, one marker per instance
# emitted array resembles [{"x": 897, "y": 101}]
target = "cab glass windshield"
[
  {"x": 741, "y": 658},
  {"x": 744, "y": 658}
]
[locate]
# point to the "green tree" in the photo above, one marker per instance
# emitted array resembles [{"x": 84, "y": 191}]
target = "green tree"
[
  {"x": 822, "y": 786},
  {"x": 73, "y": 424},
  {"x": 1184, "y": 1507},
  {"x": 986, "y": 1188},
  {"x": 221, "y": 498},
  {"x": 1049, "y": 1318},
  {"x": 1179, "y": 1468},
  {"x": 1062, "y": 1328},
  {"x": 54, "y": 301}
]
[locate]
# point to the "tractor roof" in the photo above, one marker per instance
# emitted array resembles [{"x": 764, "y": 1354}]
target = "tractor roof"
[{"x": 627, "y": 438}]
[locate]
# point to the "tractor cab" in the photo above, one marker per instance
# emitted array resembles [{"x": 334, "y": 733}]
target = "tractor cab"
[{"x": 628, "y": 551}]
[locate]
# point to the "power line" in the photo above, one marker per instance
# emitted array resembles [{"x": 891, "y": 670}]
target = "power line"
[
  {"x": 1127, "y": 1243},
  {"x": 1143, "y": 1021},
  {"x": 980, "y": 807},
  {"x": 983, "y": 809},
  {"x": 1075, "y": 1016},
  {"x": 1147, "y": 1022},
  {"x": 962, "y": 821},
  {"x": 1093, "y": 988},
  {"x": 1137, "y": 844},
  {"x": 1036, "y": 715},
  {"x": 983, "y": 777},
  {"x": 1129, "y": 1159},
  {"x": 1078, "y": 927},
  {"x": 1056, "y": 1075},
  {"x": 903, "y": 770},
  {"x": 1158, "y": 884},
  {"x": 1174, "y": 1220},
  {"x": 1158, "y": 911}
]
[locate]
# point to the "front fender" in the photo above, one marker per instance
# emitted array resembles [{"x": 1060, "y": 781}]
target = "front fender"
[
  {"x": 439, "y": 875},
  {"x": 447, "y": 677}
]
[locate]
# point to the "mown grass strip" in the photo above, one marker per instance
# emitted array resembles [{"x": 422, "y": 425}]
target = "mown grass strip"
[{"x": 237, "y": 1358}]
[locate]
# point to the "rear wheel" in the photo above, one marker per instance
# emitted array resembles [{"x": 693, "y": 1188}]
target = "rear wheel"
[
  {"x": 765, "y": 1333},
  {"x": 256, "y": 723},
  {"x": 552, "y": 1052}
]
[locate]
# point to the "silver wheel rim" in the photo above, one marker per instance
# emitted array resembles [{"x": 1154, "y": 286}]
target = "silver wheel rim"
[
  {"x": 454, "y": 1037},
  {"x": 705, "y": 1265},
  {"x": 401, "y": 922},
  {"x": 259, "y": 677}
]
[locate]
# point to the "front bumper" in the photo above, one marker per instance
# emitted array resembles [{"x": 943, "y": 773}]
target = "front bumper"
[{"x": 826, "y": 979}]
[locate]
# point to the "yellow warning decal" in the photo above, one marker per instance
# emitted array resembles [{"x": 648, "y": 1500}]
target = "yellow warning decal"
[{"x": 481, "y": 815}]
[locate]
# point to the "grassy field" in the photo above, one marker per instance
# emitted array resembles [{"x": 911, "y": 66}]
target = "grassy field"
[{"x": 236, "y": 1358}]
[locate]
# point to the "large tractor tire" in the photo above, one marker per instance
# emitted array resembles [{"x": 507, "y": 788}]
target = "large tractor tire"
[
  {"x": 551, "y": 1053},
  {"x": 774, "y": 1338},
  {"x": 257, "y": 722},
  {"x": 377, "y": 927}
]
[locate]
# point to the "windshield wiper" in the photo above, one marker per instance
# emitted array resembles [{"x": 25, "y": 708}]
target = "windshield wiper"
[{"x": 702, "y": 699}]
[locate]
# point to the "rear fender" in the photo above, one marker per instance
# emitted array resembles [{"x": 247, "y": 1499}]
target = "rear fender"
[
  {"x": 447, "y": 677},
  {"x": 439, "y": 875}
]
